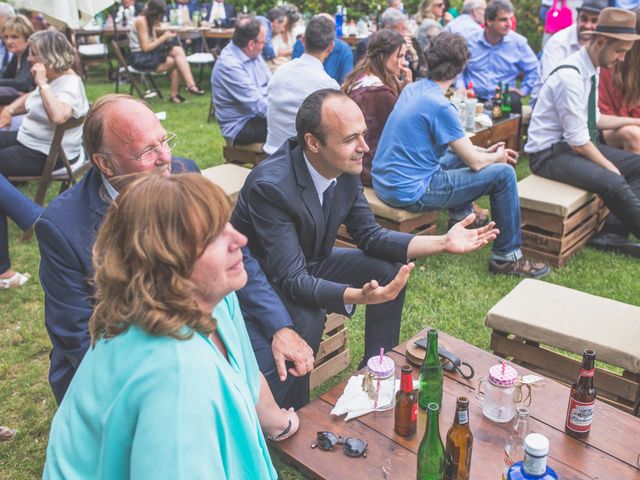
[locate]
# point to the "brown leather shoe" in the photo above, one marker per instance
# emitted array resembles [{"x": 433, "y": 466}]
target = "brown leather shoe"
[
  {"x": 482, "y": 218},
  {"x": 522, "y": 268}
]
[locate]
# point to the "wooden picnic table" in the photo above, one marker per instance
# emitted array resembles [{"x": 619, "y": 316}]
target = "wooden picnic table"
[{"x": 610, "y": 452}]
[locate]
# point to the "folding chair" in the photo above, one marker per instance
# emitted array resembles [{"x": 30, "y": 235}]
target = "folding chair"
[
  {"x": 203, "y": 57},
  {"x": 67, "y": 174},
  {"x": 118, "y": 47}
]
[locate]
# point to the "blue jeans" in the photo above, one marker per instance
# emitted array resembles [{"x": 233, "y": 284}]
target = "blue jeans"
[
  {"x": 455, "y": 186},
  {"x": 20, "y": 209}
]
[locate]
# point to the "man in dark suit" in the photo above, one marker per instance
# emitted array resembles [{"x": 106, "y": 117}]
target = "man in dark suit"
[
  {"x": 221, "y": 13},
  {"x": 121, "y": 136},
  {"x": 290, "y": 209}
]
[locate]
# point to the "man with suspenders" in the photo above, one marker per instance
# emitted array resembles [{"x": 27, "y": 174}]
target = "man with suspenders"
[{"x": 563, "y": 140}]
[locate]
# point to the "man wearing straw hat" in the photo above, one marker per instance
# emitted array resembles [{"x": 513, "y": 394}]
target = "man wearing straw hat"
[{"x": 563, "y": 134}]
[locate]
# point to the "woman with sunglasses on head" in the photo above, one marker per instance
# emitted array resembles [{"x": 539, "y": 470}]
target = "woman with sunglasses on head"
[
  {"x": 170, "y": 388},
  {"x": 619, "y": 94},
  {"x": 434, "y": 10},
  {"x": 160, "y": 53},
  {"x": 375, "y": 84},
  {"x": 59, "y": 96}
]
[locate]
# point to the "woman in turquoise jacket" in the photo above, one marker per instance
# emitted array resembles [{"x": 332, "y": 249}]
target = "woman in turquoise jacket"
[{"x": 168, "y": 390}]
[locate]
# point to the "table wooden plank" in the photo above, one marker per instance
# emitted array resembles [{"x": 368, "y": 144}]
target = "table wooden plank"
[
  {"x": 613, "y": 431},
  {"x": 491, "y": 436},
  {"x": 335, "y": 464}
]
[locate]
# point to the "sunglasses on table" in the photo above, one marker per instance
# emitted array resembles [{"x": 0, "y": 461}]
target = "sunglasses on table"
[{"x": 353, "y": 447}]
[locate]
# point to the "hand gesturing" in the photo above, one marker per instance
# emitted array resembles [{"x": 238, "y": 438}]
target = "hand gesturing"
[{"x": 461, "y": 240}]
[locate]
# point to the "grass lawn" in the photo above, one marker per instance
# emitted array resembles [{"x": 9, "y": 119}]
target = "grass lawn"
[{"x": 451, "y": 293}]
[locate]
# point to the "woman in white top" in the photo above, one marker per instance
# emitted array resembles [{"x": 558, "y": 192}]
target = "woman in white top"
[
  {"x": 160, "y": 53},
  {"x": 58, "y": 97}
]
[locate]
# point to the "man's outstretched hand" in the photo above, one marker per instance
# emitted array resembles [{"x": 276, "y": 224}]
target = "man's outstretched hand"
[{"x": 461, "y": 240}]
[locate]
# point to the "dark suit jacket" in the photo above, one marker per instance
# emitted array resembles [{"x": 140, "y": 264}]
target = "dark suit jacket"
[
  {"x": 279, "y": 211},
  {"x": 66, "y": 233},
  {"x": 230, "y": 12}
]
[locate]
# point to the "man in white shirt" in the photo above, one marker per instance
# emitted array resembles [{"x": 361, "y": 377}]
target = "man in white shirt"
[
  {"x": 470, "y": 20},
  {"x": 570, "y": 39},
  {"x": 296, "y": 80},
  {"x": 563, "y": 143}
]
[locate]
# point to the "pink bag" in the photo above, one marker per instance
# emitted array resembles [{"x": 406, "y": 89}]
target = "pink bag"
[{"x": 558, "y": 18}]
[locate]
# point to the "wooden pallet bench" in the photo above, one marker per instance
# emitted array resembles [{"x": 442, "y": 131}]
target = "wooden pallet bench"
[
  {"x": 333, "y": 354},
  {"x": 537, "y": 315},
  {"x": 557, "y": 219},
  {"x": 229, "y": 177},
  {"x": 392, "y": 218},
  {"x": 251, "y": 154}
]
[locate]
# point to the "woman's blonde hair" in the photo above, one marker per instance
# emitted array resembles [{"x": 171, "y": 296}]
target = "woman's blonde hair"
[
  {"x": 53, "y": 49},
  {"x": 19, "y": 24},
  {"x": 145, "y": 252}
]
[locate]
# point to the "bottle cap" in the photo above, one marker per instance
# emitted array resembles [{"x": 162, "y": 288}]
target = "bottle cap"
[
  {"x": 536, "y": 445},
  {"x": 503, "y": 375},
  {"x": 383, "y": 368}
]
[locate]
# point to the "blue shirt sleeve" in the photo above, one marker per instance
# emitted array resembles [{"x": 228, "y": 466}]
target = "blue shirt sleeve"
[
  {"x": 298, "y": 49},
  {"x": 241, "y": 88},
  {"x": 446, "y": 126},
  {"x": 530, "y": 66}
]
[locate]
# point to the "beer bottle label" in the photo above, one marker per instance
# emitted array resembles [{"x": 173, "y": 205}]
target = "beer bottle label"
[
  {"x": 580, "y": 415},
  {"x": 463, "y": 417},
  {"x": 587, "y": 373},
  {"x": 414, "y": 412}
]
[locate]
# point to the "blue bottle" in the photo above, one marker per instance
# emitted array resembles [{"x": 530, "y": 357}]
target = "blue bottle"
[
  {"x": 534, "y": 465},
  {"x": 339, "y": 21}
]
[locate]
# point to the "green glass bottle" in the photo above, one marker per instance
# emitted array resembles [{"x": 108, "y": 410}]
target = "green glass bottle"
[
  {"x": 431, "y": 452},
  {"x": 430, "y": 388},
  {"x": 506, "y": 101}
]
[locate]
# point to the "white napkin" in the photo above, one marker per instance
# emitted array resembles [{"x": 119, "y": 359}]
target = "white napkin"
[{"x": 356, "y": 402}]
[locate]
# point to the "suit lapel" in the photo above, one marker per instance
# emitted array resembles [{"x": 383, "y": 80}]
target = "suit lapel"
[
  {"x": 97, "y": 196},
  {"x": 309, "y": 196}
]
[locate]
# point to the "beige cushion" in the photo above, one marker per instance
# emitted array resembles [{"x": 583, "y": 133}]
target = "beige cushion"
[
  {"x": 252, "y": 147},
  {"x": 381, "y": 209},
  {"x": 229, "y": 177},
  {"x": 572, "y": 321},
  {"x": 548, "y": 196}
]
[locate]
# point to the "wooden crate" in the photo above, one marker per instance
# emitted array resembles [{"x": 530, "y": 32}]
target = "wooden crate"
[
  {"x": 556, "y": 239},
  {"x": 621, "y": 391},
  {"x": 505, "y": 130},
  {"x": 333, "y": 354},
  {"x": 344, "y": 240},
  {"x": 249, "y": 155}
]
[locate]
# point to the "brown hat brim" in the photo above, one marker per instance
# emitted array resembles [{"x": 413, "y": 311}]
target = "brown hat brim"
[{"x": 625, "y": 37}]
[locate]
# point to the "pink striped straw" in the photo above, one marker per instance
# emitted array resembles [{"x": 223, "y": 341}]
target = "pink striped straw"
[{"x": 381, "y": 354}]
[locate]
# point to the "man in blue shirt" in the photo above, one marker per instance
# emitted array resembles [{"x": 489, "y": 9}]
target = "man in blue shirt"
[
  {"x": 499, "y": 55},
  {"x": 339, "y": 63},
  {"x": 273, "y": 24},
  {"x": 414, "y": 169},
  {"x": 239, "y": 84},
  {"x": 470, "y": 20}
]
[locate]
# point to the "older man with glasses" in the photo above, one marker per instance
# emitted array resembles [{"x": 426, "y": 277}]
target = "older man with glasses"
[
  {"x": 122, "y": 136},
  {"x": 470, "y": 20}
]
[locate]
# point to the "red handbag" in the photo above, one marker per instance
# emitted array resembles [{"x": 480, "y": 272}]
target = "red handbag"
[{"x": 558, "y": 17}]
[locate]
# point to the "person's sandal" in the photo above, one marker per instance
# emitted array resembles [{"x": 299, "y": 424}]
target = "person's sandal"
[
  {"x": 14, "y": 281},
  {"x": 521, "y": 268},
  {"x": 177, "y": 99},
  {"x": 195, "y": 90}
]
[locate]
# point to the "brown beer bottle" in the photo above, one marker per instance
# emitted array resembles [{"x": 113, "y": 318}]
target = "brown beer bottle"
[
  {"x": 406, "y": 413},
  {"x": 582, "y": 399},
  {"x": 459, "y": 444},
  {"x": 496, "y": 110}
]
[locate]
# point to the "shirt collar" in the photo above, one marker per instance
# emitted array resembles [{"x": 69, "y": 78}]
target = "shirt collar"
[
  {"x": 310, "y": 59},
  {"x": 113, "y": 193},
  {"x": 586, "y": 61},
  {"x": 319, "y": 181},
  {"x": 237, "y": 51},
  {"x": 506, "y": 39}
]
